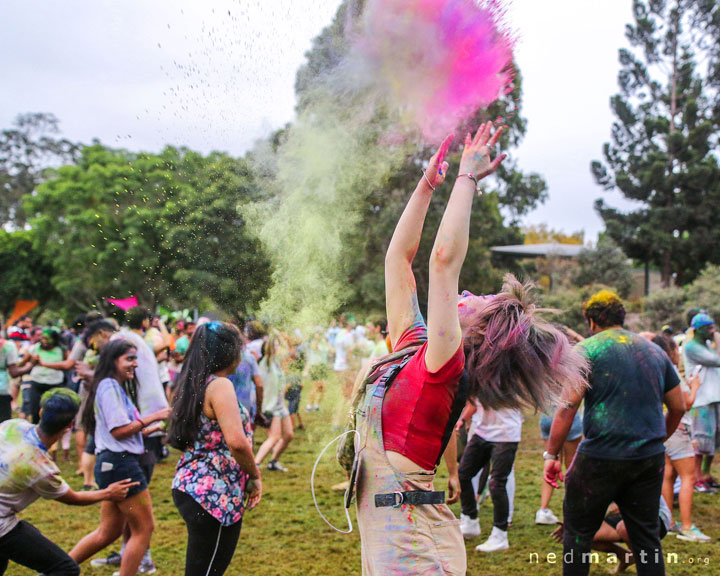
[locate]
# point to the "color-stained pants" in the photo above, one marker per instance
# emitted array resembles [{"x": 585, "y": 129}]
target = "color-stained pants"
[
  {"x": 477, "y": 455},
  {"x": 404, "y": 540},
  {"x": 25, "y": 545},
  {"x": 635, "y": 486}
]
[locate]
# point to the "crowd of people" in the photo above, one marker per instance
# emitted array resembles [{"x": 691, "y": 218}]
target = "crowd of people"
[{"x": 453, "y": 387}]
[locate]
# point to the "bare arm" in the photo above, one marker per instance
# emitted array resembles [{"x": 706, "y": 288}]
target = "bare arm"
[
  {"x": 16, "y": 370},
  {"x": 676, "y": 408},
  {"x": 563, "y": 418},
  {"x": 689, "y": 397},
  {"x": 562, "y": 422},
  {"x": 400, "y": 292},
  {"x": 223, "y": 403},
  {"x": 450, "y": 248},
  {"x": 116, "y": 491},
  {"x": 466, "y": 415},
  {"x": 122, "y": 432},
  {"x": 66, "y": 364},
  {"x": 452, "y": 466}
]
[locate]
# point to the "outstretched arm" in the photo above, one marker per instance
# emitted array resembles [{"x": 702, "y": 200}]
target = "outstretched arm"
[
  {"x": 450, "y": 248},
  {"x": 400, "y": 293}
]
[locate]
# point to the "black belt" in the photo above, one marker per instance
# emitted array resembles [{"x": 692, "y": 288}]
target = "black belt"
[{"x": 415, "y": 498}]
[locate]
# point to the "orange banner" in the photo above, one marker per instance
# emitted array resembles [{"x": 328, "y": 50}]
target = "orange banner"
[{"x": 21, "y": 307}]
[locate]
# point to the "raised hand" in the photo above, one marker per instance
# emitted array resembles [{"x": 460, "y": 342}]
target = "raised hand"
[
  {"x": 476, "y": 155},
  {"x": 437, "y": 167}
]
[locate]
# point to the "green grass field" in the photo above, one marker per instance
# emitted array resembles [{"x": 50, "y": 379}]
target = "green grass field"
[{"x": 285, "y": 536}]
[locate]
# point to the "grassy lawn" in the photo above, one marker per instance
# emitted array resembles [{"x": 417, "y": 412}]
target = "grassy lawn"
[{"x": 285, "y": 536}]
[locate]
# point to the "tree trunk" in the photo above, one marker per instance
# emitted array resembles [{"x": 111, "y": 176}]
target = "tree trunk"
[{"x": 667, "y": 256}]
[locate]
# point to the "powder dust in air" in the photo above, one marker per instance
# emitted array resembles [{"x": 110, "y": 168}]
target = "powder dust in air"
[{"x": 411, "y": 71}]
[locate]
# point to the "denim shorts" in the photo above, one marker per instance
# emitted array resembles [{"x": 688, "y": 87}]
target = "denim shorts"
[
  {"x": 115, "y": 466},
  {"x": 576, "y": 429}
]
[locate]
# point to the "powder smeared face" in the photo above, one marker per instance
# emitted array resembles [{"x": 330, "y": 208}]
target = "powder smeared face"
[
  {"x": 470, "y": 307},
  {"x": 438, "y": 60}
]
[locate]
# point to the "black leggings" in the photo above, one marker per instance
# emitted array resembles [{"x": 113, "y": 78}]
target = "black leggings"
[
  {"x": 210, "y": 544},
  {"x": 25, "y": 545},
  {"x": 478, "y": 454},
  {"x": 635, "y": 486}
]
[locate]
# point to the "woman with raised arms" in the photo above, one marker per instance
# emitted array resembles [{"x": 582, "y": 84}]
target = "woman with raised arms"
[{"x": 495, "y": 346}]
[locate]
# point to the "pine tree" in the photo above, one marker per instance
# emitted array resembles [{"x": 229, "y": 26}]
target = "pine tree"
[{"x": 663, "y": 153}]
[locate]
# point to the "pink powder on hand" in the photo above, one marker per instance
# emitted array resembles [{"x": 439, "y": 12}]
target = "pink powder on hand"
[{"x": 437, "y": 61}]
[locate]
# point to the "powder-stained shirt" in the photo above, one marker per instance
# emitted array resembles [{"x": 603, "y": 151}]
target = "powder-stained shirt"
[
  {"x": 114, "y": 409},
  {"x": 244, "y": 384},
  {"x": 418, "y": 403},
  {"x": 43, "y": 375},
  {"x": 629, "y": 377},
  {"x": 26, "y": 472},
  {"x": 8, "y": 357},
  {"x": 698, "y": 355},
  {"x": 150, "y": 394}
]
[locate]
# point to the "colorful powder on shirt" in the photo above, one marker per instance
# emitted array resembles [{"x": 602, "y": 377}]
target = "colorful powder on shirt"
[{"x": 437, "y": 60}]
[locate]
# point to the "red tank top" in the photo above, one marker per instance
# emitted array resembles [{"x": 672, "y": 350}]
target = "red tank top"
[{"x": 418, "y": 403}]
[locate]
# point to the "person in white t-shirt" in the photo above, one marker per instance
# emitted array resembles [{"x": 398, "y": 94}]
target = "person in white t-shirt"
[
  {"x": 27, "y": 473},
  {"x": 494, "y": 442},
  {"x": 150, "y": 399}
]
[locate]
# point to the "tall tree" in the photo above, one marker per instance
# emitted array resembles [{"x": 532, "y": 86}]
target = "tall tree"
[
  {"x": 165, "y": 227},
  {"x": 26, "y": 150},
  {"x": 664, "y": 141},
  {"x": 26, "y": 272}
]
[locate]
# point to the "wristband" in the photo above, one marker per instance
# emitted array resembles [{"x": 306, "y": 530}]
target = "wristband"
[
  {"x": 473, "y": 178},
  {"x": 142, "y": 422},
  {"x": 428, "y": 181}
]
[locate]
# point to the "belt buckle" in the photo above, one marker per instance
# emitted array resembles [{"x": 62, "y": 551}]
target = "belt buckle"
[{"x": 399, "y": 499}]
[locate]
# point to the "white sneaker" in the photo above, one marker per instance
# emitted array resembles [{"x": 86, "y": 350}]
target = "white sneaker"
[
  {"x": 545, "y": 516},
  {"x": 693, "y": 535},
  {"x": 470, "y": 527},
  {"x": 144, "y": 568},
  {"x": 498, "y": 541}
]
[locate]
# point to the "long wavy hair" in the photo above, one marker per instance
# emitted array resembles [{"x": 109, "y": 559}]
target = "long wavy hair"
[
  {"x": 215, "y": 346},
  {"x": 106, "y": 369},
  {"x": 515, "y": 358}
]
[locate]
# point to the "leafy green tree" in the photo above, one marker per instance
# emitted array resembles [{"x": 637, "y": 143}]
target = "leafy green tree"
[
  {"x": 664, "y": 140},
  {"x": 97, "y": 222},
  {"x": 667, "y": 306},
  {"x": 26, "y": 273},
  {"x": 605, "y": 264},
  {"x": 214, "y": 261},
  {"x": 26, "y": 150},
  {"x": 163, "y": 227},
  {"x": 704, "y": 292}
]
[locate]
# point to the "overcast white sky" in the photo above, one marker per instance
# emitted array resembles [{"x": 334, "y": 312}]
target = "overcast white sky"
[{"x": 218, "y": 74}]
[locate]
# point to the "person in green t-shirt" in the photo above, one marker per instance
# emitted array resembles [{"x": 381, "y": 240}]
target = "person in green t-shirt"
[
  {"x": 49, "y": 361},
  {"x": 8, "y": 369}
]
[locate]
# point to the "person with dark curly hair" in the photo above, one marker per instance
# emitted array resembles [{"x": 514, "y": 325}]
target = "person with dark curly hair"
[{"x": 622, "y": 456}]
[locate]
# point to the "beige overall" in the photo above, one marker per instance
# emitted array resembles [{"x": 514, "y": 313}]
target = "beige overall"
[{"x": 403, "y": 540}]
